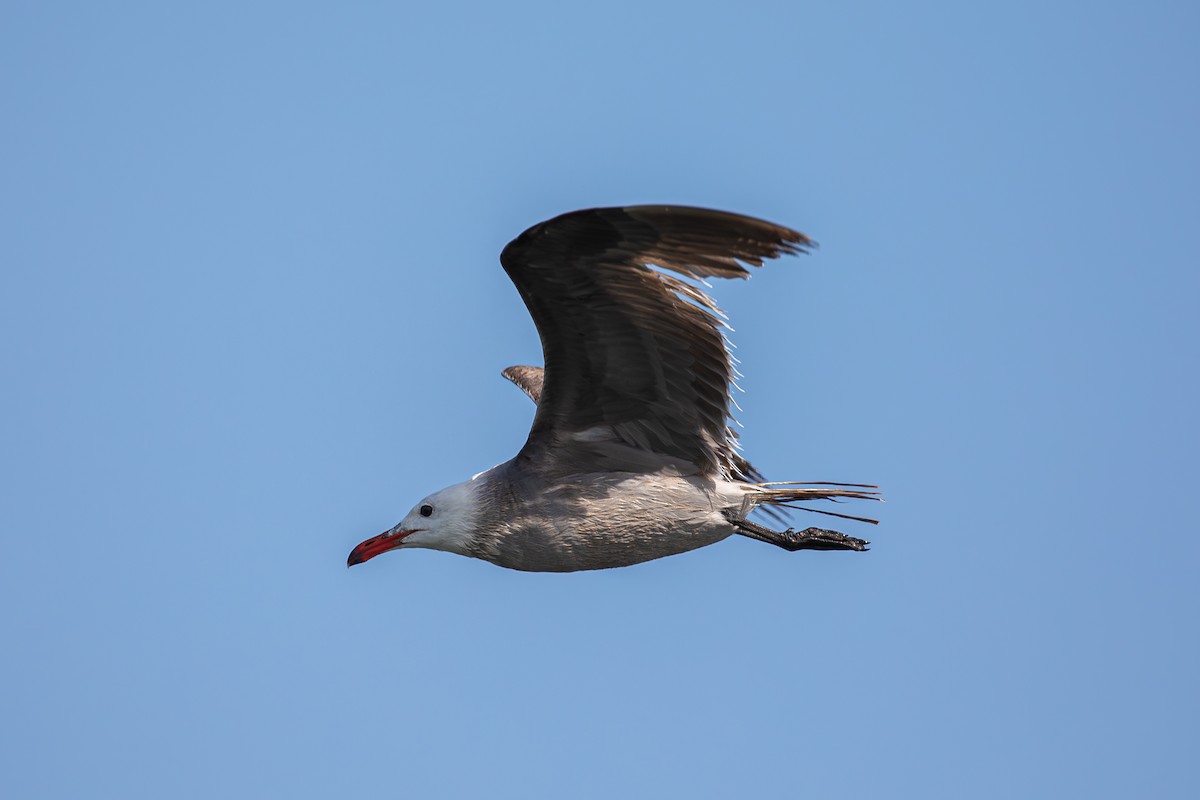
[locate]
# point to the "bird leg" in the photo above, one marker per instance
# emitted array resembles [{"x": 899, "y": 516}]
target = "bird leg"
[{"x": 807, "y": 539}]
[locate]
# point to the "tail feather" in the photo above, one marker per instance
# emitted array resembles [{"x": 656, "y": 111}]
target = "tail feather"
[{"x": 785, "y": 494}]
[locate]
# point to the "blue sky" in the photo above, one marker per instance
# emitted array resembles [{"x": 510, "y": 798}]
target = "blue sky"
[{"x": 253, "y": 311}]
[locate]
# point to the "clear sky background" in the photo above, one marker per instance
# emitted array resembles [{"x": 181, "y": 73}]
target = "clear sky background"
[{"x": 252, "y": 311}]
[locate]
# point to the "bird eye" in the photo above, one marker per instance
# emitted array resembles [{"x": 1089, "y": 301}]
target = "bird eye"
[{"x": 426, "y": 510}]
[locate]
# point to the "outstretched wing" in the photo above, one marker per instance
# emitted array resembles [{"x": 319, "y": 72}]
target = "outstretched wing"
[{"x": 637, "y": 372}]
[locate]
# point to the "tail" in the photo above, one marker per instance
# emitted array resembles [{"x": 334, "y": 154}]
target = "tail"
[{"x": 784, "y": 495}]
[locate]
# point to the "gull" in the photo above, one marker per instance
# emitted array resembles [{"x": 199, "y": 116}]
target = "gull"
[{"x": 631, "y": 456}]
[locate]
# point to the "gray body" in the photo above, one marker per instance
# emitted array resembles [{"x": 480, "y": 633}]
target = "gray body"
[{"x": 597, "y": 520}]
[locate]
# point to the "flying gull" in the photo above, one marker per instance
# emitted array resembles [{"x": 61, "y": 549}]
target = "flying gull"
[{"x": 631, "y": 456}]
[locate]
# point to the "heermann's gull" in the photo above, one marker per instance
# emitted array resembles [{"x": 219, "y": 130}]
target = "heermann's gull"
[{"x": 630, "y": 457}]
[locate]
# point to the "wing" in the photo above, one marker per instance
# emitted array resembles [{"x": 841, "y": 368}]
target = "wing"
[
  {"x": 637, "y": 371},
  {"x": 527, "y": 379}
]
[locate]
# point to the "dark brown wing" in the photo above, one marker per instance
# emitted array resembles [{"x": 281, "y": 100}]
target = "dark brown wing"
[
  {"x": 637, "y": 372},
  {"x": 527, "y": 379}
]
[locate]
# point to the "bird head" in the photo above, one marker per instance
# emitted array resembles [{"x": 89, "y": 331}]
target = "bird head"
[{"x": 442, "y": 521}]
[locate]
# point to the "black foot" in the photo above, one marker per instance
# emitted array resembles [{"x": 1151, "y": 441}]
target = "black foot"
[
  {"x": 819, "y": 539},
  {"x": 807, "y": 539}
]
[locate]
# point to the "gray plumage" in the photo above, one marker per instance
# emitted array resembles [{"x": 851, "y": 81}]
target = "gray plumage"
[{"x": 630, "y": 456}]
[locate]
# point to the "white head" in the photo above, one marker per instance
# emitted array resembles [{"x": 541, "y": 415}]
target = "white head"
[{"x": 442, "y": 521}]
